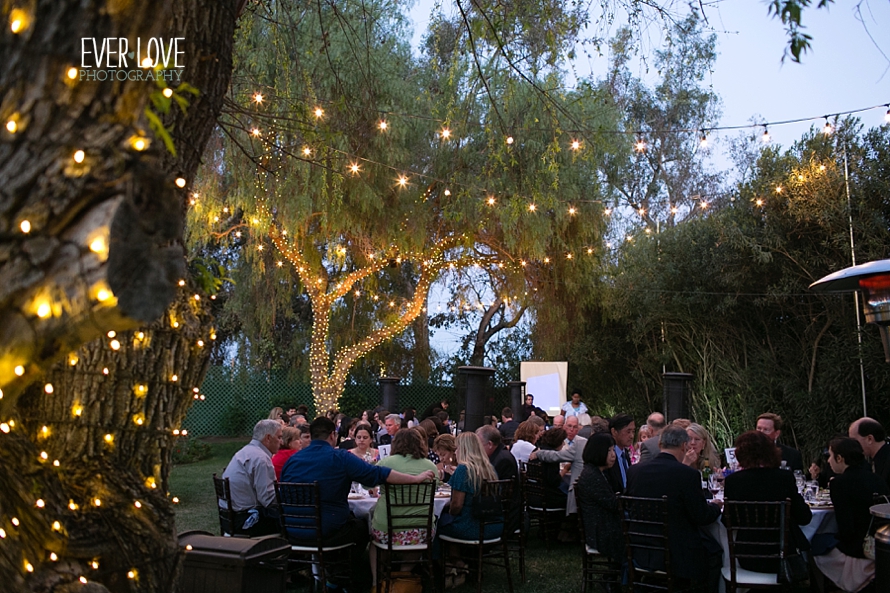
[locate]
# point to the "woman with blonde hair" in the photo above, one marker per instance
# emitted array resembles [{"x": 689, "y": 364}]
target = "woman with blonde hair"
[
  {"x": 472, "y": 470},
  {"x": 275, "y": 414},
  {"x": 701, "y": 448}
]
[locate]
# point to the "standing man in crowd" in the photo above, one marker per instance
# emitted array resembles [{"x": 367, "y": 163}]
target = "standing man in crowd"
[
  {"x": 529, "y": 408},
  {"x": 771, "y": 425},
  {"x": 252, "y": 481},
  {"x": 649, "y": 449},
  {"x": 873, "y": 438},
  {"x": 623, "y": 431},
  {"x": 695, "y": 557}
]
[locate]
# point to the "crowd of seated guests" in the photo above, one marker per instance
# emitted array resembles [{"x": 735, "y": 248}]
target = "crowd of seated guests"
[{"x": 591, "y": 460}]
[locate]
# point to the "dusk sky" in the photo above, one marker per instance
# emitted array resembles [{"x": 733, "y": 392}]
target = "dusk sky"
[{"x": 845, "y": 70}]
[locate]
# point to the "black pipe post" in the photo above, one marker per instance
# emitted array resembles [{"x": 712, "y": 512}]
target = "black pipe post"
[
  {"x": 477, "y": 383},
  {"x": 676, "y": 395},
  {"x": 389, "y": 393},
  {"x": 517, "y": 397}
]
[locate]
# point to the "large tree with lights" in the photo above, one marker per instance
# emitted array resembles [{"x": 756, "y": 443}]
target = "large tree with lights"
[
  {"x": 353, "y": 160},
  {"x": 92, "y": 218}
]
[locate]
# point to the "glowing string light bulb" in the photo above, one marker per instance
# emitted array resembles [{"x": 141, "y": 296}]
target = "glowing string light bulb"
[
  {"x": 765, "y": 137},
  {"x": 382, "y": 125},
  {"x": 319, "y": 112},
  {"x": 640, "y": 145},
  {"x": 258, "y": 97},
  {"x": 576, "y": 145},
  {"x": 72, "y": 73},
  {"x": 11, "y": 126},
  {"x": 79, "y": 155},
  {"x": 446, "y": 133},
  {"x": 827, "y": 129}
]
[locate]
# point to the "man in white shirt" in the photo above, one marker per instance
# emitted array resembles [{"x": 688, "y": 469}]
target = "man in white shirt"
[{"x": 252, "y": 481}]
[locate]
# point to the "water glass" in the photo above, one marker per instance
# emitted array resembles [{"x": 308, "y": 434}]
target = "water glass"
[
  {"x": 800, "y": 480},
  {"x": 812, "y": 489}
]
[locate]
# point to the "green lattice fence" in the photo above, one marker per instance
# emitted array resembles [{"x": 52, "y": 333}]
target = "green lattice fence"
[{"x": 236, "y": 399}]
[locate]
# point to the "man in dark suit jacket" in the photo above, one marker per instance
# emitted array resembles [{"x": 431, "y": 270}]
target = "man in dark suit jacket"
[
  {"x": 694, "y": 556},
  {"x": 649, "y": 449},
  {"x": 873, "y": 438},
  {"x": 505, "y": 467},
  {"x": 623, "y": 429},
  {"x": 771, "y": 425}
]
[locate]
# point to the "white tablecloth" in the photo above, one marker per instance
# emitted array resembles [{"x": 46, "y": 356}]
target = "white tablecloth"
[
  {"x": 823, "y": 521},
  {"x": 362, "y": 507}
]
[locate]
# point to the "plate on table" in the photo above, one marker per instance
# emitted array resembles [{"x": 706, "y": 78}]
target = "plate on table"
[
  {"x": 821, "y": 505},
  {"x": 355, "y": 496},
  {"x": 443, "y": 494}
]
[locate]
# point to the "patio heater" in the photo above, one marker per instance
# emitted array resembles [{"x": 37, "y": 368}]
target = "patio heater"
[{"x": 873, "y": 279}]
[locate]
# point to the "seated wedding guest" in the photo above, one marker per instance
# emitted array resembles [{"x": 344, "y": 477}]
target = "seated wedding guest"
[
  {"x": 364, "y": 444},
  {"x": 297, "y": 420},
  {"x": 434, "y": 408},
  {"x": 347, "y": 434},
  {"x": 762, "y": 481},
  {"x": 649, "y": 447},
  {"x": 508, "y": 425},
  {"x": 558, "y": 421},
  {"x": 501, "y": 459},
  {"x": 701, "y": 448},
  {"x": 473, "y": 468},
  {"x": 409, "y": 419},
  {"x": 290, "y": 444},
  {"x": 695, "y": 557},
  {"x": 335, "y": 470},
  {"x": 525, "y": 438},
  {"x": 586, "y": 429},
  {"x": 409, "y": 457},
  {"x": 623, "y": 430},
  {"x": 573, "y": 455},
  {"x": 444, "y": 424},
  {"x": 873, "y": 438},
  {"x": 252, "y": 481},
  {"x": 596, "y": 501},
  {"x": 852, "y": 495},
  {"x": 432, "y": 432},
  {"x": 445, "y": 447},
  {"x": 277, "y": 413},
  {"x": 391, "y": 424},
  {"x": 554, "y": 492},
  {"x": 771, "y": 425}
]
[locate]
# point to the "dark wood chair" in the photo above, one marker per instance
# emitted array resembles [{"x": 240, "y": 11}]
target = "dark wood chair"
[
  {"x": 547, "y": 518},
  {"x": 756, "y": 531},
  {"x": 411, "y": 507},
  {"x": 597, "y": 568},
  {"x": 227, "y": 526},
  {"x": 494, "y": 500},
  {"x": 644, "y": 522},
  {"x": 300, "y": 517}
]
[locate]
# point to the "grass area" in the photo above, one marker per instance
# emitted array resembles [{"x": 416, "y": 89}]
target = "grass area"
[
  {"x": 193, "y": 484},
  {"x": 550, "y": 568}
]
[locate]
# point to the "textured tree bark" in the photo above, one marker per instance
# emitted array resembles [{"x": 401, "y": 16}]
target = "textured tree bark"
[{"x": 129, "y": 199}]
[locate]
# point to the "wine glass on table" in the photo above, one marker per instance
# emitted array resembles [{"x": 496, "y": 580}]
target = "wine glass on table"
[{"x": 715, "y": 485}]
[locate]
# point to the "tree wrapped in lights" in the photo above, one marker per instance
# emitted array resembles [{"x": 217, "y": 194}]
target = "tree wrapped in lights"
[
  {"x": 92, "y": 247},
  {"x": 358, "y": 160}
]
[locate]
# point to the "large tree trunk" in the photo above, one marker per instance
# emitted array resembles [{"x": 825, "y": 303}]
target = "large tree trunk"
[{"x": 128, "y": 198}]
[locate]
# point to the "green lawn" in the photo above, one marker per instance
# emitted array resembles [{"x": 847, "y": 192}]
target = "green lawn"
[
  {"x": 193, "y": 484},
  {"x": 551, "y": 568}
]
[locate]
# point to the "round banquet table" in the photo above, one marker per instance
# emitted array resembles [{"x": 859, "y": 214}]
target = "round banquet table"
[{"x": 362, "y": 506}]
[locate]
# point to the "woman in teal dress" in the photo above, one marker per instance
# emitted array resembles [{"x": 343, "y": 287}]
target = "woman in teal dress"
[{"x": 473, "y": 468}]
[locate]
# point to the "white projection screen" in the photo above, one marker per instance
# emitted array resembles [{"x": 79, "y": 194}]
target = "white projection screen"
[{"x": 547, "y": 382}]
